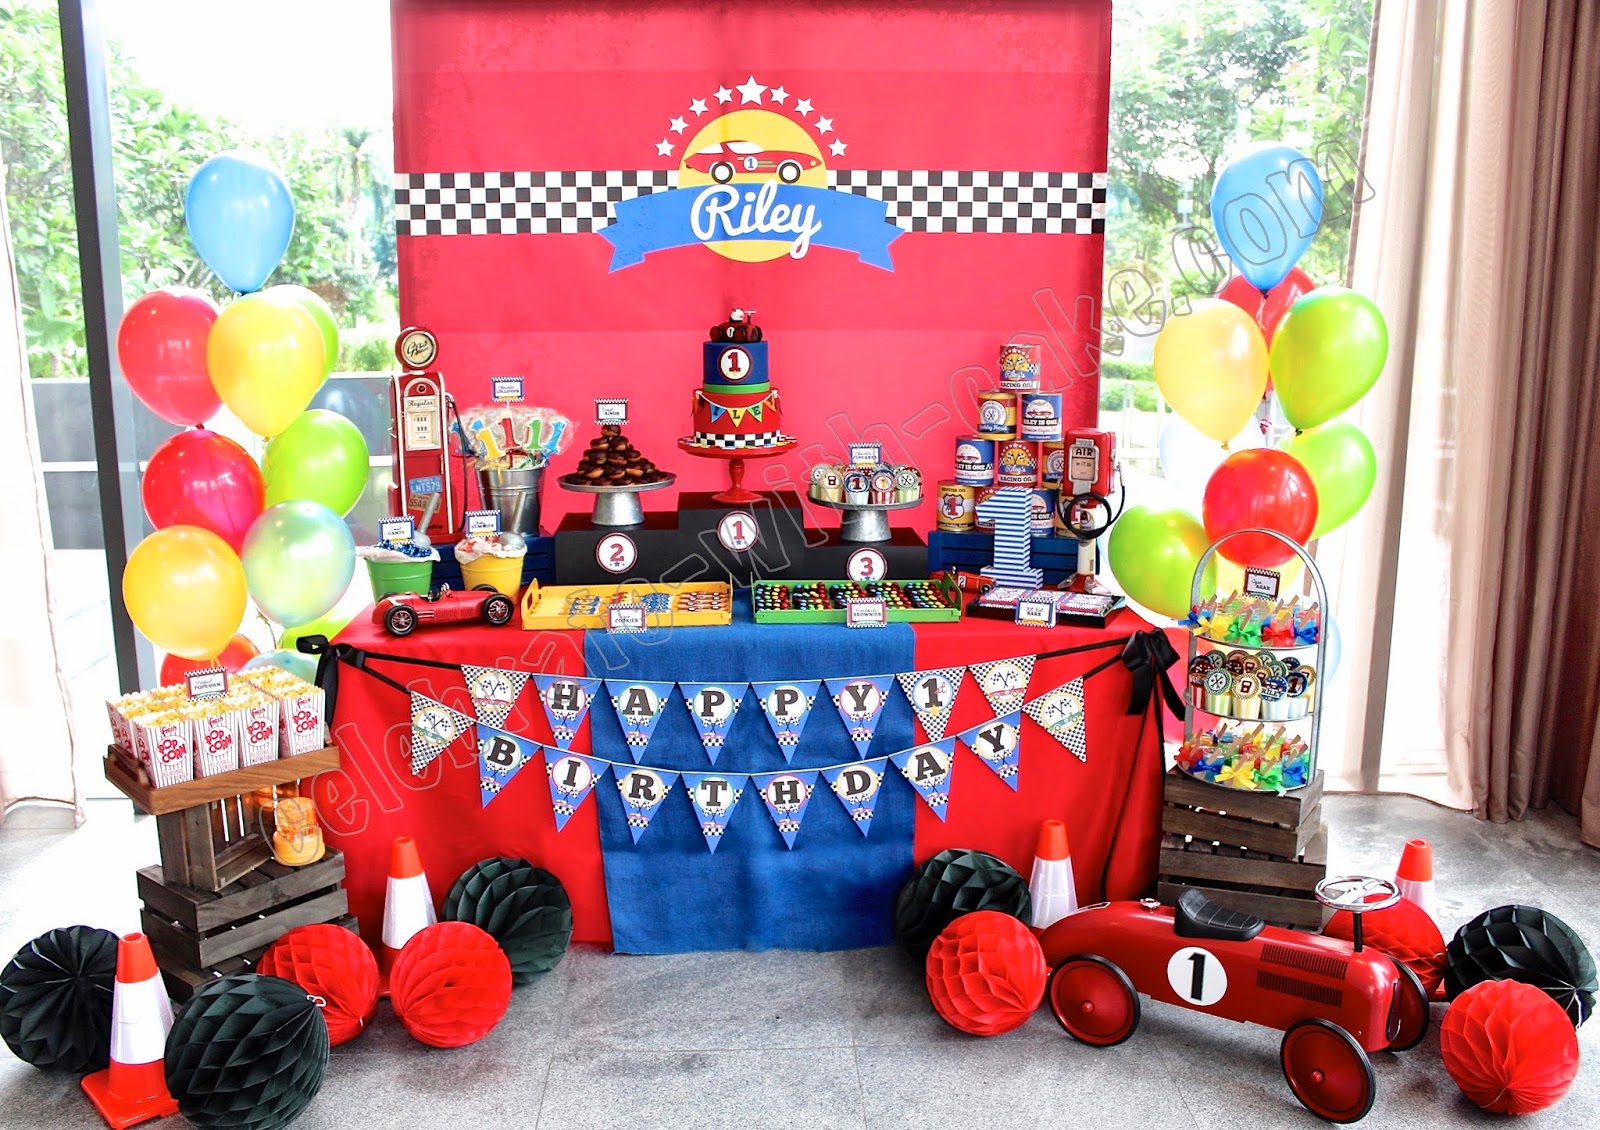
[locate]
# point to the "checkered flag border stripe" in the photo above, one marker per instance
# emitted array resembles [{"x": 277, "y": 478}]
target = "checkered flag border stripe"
[
  {"x": 580, "y": 201},
  {"x": 735, "y": 442}
]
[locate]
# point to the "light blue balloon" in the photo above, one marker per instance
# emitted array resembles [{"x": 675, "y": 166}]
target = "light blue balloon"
[
  {"x": 1267, "y": 207},
  {"x": 298, "y": 560},
  {"x": 240, "y": 216},
  {"x": 303, "y": 666}
]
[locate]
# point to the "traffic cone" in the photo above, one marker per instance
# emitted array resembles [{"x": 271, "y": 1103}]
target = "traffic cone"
[
  {"x": 134, "y": 1087},
  {"x": 407, "y": 904},
  {"x": 1051, "y": 887},
  {"x": 1414, "y": 876}
]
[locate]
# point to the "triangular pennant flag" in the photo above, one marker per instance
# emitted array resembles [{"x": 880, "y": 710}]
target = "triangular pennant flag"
[
  {"x": 860, "y": 701},
  {"x": 1004, "y": 682},
  {"x": 755, "y": 410},
  {"x": 717, "y": 410},
  {"x": 1060, "y": 712},
  {"x": 787, "y": 706},
  {"x": 566, "y": 702},
  {"x": 857, "y": 786},
  {"x": 932, "y": 695},
  {"x": 433, "y": 727},
  {"x": 738, "y": 416},
  {"x": 500, "y": 756},
  {"x": 494, "y": 692},
  {"x": 572, "y": 776},
  {"x": 643, "y": 790},
  {"x": 928, "y": 768},
  {"x": 713, "y": 796},
  {"x": 997, "y": 745},
  {"x": 712, "y": 706},
  {"x": 787, "y": 795},
  {"x": 639, "y": 707}
]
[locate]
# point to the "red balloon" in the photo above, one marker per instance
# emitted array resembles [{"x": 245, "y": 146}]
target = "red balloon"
[
  {"x": 336, "y": 967},
  {"x": 450, "y": 985},
  {"x": 986, "y": 973},
  {"x": 1267, "y": 309},
  {"x": 162, "y": 347},
  {"x": 233, "y": 658},
  {"x": 1510, "y": 1048},
  {"x": 198, "y": 478},
  {"x": 1261, "y": 489}
]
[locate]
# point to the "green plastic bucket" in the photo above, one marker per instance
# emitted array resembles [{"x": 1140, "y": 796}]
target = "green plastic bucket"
[{"x": 399, "y": 576}]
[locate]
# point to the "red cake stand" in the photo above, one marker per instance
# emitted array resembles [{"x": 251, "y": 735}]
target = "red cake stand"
[{"x": 735, "y": 457}]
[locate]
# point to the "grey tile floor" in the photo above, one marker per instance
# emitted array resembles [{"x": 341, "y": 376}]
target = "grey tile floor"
[{"x": 823, "y": 1040}]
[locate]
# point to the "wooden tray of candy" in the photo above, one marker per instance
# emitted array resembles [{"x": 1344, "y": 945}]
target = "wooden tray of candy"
[
  {"x": 587, "y": 606},
  {"x": 945, "y": 588}
]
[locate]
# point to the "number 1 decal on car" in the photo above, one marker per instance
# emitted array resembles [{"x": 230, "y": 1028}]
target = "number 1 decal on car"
[{"x": 1197, "y": 976}]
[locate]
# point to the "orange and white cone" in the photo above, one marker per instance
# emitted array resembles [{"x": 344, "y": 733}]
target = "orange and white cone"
[
  {"x": 134, "y": 1087},
  {"x": 1414, "y": 876},
  {"x": 1053, "y": 894},
  {"x": 407, "y": 904}
]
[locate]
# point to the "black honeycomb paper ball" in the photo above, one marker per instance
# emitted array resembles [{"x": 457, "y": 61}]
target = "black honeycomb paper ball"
[
  {"x": 953, "y": 883},
  {"x": 1524, "y": 943},
  {"x": 523, "y": 907},
  {"x": 55, "y": 999},
  {"x": 246, "y": 1053}
]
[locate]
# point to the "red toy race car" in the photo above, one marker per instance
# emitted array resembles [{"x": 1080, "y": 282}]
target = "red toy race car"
[
  {"x": 1334, "y": 1001},
  {"x": 726, "y": 159},
  {"x": 400, "y": 613}
]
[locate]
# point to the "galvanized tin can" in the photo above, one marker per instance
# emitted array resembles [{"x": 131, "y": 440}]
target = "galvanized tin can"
[
  {"x": 1017, "y": 463},
  {"x": 956, "y": 502},
  {"x": 975, "y": 461},
  {"x": 997, "y": 415},
  {"x": 1039, "y": 416},
  {"x": 1052, "y": 462},
  {"x": 1019, "y": 366},
  {"x": 1044, "y": 511}
]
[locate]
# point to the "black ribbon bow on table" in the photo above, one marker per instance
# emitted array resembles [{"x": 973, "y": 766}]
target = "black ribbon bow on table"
[{"x": 1148, "y": 656}]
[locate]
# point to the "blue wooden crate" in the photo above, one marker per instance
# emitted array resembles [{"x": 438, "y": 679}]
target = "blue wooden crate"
[
  {"x": 949, "y": 549},
  {"x": 539, "y": 564}
]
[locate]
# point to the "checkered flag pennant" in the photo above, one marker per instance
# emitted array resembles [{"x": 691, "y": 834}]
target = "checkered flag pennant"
[
  {"x": 928, "y": 768},
  {"x": 786, "y": 795},
  {"x": 787, "y": 705},
  {"x": 857, "y": 787},
  {"x": 572, "y": 777},
  {"x": 494, "y": 692},
  {"x": 566, "y": 703},
  {"x": 1060, "y": 712},
  {"x": 642, "y": 790},
  {"x": 433, "y": 727},
  {"x": 932, "y": 694},
  {"x": 998, "y": 745},
  {"x": 639, "y": 707},
  {"x": 860, "y": 701},
  {"x": 500, "y": 756},
  {"x": 1004, "y": 682},
  {"x": 713, "y": 706},
  {"x": 713, "y": 796}
]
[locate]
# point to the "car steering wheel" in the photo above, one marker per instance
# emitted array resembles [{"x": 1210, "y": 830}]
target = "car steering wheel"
[{"x": 1354, "y": 893}]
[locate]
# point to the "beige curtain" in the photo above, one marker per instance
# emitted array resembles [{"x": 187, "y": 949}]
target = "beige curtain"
[
  {"x": 1468, "y": 616},
  {"x": 36, "y": 761}
]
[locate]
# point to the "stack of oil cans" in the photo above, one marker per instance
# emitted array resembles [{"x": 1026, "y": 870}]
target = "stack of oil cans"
[{"x": 1018, "y": 443}]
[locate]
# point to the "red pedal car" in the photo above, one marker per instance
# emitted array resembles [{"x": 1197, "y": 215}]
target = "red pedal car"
[
  {"x": 1334, "y": 1001},
  {"x": 402, "y": 612}
]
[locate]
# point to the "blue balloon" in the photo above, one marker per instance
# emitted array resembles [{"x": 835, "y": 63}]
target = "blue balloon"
[
  {"x": 240, "y": 216},
  {"x": 305, "y": 666},
  {"x": 1267, "y": 207}
]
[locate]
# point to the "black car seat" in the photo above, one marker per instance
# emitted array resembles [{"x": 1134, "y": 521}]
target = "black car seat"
[{"x": 1198, "y": 917}]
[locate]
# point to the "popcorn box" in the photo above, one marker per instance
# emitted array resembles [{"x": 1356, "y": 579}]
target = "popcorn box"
[
  {"x": 301, "y": 725},
  {"x": 167, "y": 749},
  {"x": 258, "y": 729},
  {"x": 121, "y": 732},
  {"x": 216, "y": 743}
]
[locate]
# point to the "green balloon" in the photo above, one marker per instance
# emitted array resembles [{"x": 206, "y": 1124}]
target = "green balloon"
[
  {"x": 1327, "y": 352},
  {"x": 321, "y": 313},
  {"x": 319, "y": 457},
  {"x": 329, "y": 626},
  {"x": 1153, "y": 554},
  {"x": 1340, "y": 460}
]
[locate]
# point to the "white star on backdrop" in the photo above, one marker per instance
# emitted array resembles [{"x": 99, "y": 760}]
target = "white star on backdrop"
[
  {"x": 679, "y": 125},
  {"x": 697, "y": 107},
  {"x": 824, "y": 125},
  {"x": 724, "y": 94},
  {"x": 663, "y": 148},
  {"x": 803, "y": 107},
  {"x": 750, "y": 91},
  {"x": 778, "y": 95},
  {"x": 837, "y": 148}
]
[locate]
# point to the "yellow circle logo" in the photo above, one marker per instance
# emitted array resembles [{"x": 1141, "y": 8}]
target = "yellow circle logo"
[{"x": 736, "y": 156}]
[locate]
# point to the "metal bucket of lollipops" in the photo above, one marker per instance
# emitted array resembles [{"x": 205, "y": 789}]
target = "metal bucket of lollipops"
[{"x": 516, "y": 494}]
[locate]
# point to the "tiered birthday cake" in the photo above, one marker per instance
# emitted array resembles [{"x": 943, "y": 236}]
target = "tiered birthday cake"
[{"x": 735, "y": 407}]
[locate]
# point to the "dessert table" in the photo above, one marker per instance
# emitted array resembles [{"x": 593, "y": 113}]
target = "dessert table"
[{"x": 667, "y": 892}]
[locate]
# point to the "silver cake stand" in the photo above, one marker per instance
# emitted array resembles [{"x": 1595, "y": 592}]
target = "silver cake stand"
[
  {"x": 864, "y": 521},
  {"x": 616, "y": 504}
]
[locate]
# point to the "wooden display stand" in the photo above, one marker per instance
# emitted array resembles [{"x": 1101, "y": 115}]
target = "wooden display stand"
[
  {"x": 211, "y": 910},
  {"x": 1253, "y": 851}
]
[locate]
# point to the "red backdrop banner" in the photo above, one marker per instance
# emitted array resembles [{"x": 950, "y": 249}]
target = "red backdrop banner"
[{"x": 907, "y": 187}]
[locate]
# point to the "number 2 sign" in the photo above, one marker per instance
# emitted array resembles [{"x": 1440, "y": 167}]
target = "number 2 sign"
[{"x": 616, "y": 553}]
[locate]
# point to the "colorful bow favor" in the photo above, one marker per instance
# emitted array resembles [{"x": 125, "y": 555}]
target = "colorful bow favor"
[{"x": 1256, "y": 758}]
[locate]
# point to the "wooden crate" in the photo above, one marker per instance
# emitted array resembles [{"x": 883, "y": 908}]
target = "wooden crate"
[
  {"x": 198, "y": 934},
  {"x": 1251, "y": 851}
]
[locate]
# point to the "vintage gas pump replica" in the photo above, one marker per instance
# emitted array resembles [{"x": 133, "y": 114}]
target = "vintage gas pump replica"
[
  {"x": 419, "y": 406},
  {"x": 1084, "y": 509}
]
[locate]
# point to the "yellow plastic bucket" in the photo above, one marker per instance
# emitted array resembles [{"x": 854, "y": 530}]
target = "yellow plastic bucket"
[{"x": 504, "y": 573}]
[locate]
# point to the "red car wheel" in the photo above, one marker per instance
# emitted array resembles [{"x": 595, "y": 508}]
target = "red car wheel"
[
  {"x": 400, "y": 620},
  {"x": 1094, "y": 1001},
  {"x": 1327, "y": 1070},
  {"x": 497, "y": 610},
  {"x": 1412, "y": 1004}
]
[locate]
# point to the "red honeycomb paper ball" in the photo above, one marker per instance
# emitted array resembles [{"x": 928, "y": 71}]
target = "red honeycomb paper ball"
[
  {"x": 1406, "y": 933},
  {"x": 1509, "y": 1047},
  {"x": 333, "y": 965},
  {"x": 450, "y": 985},
  {"x": 986, "y": 973}
]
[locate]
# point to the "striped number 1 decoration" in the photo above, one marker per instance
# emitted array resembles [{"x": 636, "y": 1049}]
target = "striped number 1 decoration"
[{"x": 1011, "y": 511}]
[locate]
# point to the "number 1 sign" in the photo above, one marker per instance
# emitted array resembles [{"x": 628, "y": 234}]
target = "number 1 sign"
[{"x": 1011, "y": 511}]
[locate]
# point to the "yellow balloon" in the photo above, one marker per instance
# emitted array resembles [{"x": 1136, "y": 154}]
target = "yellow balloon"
[
  {"x": 185, "y": 590},
  {"x": 265, "y": 356},
  {"x": 1211, "y": 365}
]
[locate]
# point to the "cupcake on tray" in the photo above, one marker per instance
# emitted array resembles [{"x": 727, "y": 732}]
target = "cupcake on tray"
[
  {"x": 399, "y": 566},
  {"x": 495, "y": 561}
]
